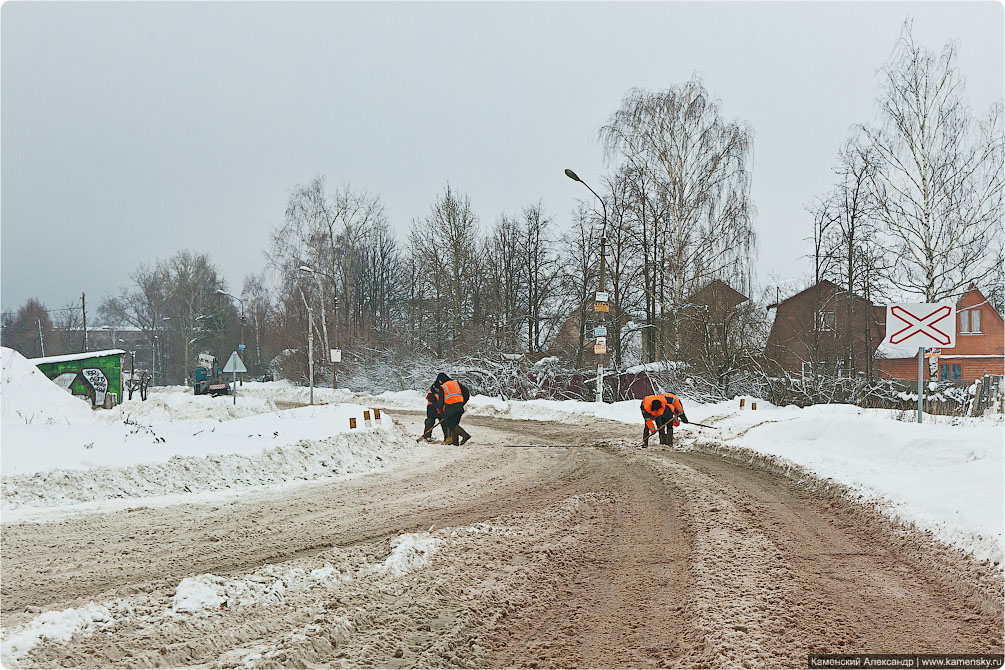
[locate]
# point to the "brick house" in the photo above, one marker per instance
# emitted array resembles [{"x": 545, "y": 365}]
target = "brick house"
[
  {"x": 979, "y": 350},
  {"x": 810, "y": 332},
  {"x": 705, "y": 317}
]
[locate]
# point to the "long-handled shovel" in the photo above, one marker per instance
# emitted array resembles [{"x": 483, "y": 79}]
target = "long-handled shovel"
[
  {"x": 692, "y": 423},
  {"x": 419, "y": 438}
]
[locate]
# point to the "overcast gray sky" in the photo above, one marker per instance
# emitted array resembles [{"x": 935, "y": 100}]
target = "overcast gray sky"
[{"x": 132, "y": 130}]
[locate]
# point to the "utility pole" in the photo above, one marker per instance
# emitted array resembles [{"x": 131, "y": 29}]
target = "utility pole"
[
  {"x": 41, "y": 342},
  {"x": 603, "y": 315},
  {"x": 83, "y": 311}
]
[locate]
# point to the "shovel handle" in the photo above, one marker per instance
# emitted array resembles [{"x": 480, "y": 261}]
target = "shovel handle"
[{"x": 419, "y": 438}]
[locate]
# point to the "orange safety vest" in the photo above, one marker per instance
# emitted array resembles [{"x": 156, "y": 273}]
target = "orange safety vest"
[
  {"x": 674, "y": 403},
  {"x": 452, "y": 393},
  {"x": 647, "y": 405}
]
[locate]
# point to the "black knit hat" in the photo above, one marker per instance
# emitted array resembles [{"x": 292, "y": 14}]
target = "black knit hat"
[{"x": 442, "y": 377}]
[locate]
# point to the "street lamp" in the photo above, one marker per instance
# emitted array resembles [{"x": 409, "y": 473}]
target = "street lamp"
[
  {"x": 602, "y": 292},
  {"x": 338, "y": 351}
]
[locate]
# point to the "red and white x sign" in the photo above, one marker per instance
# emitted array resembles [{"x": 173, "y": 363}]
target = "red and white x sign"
[{"x": 921, "y": 325}]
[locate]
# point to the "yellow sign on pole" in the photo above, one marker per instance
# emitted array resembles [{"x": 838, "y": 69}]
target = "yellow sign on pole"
[
  {"x": 601, "y": 307},
  {"x": 600, "y": 349}
]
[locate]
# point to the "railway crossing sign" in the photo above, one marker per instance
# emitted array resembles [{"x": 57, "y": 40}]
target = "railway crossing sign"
[{"x": 921, "y": 325}]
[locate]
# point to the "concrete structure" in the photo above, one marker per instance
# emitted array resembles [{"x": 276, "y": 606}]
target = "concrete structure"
[{"x": 94, "y": 375}]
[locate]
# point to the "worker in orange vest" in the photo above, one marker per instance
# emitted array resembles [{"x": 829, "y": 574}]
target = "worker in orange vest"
[
  {"x": 660, "y": 411},
  {"x": 434, "y": 411},
  {"x": 455, "y": 395}
]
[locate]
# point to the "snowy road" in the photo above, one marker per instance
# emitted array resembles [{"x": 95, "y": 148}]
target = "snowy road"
[{"x": 496, "y": 554}]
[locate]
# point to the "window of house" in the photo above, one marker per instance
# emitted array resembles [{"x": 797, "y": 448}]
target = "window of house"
[
  {"x": 825, "y": 321},
  {"x": 947, "y": 369},
  {"x": 970, "y": 321}
]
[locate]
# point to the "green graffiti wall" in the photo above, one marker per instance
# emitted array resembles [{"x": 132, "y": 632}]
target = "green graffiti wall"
[{"x": 94, "y": 378}]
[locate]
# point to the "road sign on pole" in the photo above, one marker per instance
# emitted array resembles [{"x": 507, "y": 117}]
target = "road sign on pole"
[
  {"x": 234, "y": 365},
  {"x": 921, "y": 325}
]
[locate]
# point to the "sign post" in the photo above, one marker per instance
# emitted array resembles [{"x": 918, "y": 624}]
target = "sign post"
[
  {"x": 921, "y": 325},
  {"x": 235, "y": 365}
]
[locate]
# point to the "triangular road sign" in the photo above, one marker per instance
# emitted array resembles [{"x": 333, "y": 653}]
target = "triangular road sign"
[{"x": 234, "y": 364}]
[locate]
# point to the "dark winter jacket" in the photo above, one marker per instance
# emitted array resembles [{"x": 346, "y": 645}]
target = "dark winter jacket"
[{"x": 434, "y": 401}]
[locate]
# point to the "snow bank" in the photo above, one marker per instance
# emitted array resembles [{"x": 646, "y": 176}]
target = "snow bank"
[
  {"x": 28, "y": 397},
  {"x": 306, "y": 460},
  {"x": 58, "y": 452},
  {"x": 112, "y": 442},
  {"x": 55, "y": 626}
]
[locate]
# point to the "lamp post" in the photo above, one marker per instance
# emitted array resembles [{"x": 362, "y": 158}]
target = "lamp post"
[
  {"x": 603, "y": 283},
  {"x": 310, "y": 342},
  {"x": 309, "y": 270},
  {"x": 241, "y": 343}
]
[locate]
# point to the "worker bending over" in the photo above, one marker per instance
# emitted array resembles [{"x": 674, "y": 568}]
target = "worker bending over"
[
  {"x": 660, "y": 412},
  {"x": 434, "y": 411},
  {"x": 455, "y": 394}
]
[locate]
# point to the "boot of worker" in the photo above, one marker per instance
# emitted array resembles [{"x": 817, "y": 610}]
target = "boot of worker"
[
  {"x": 645, "y": 437},
  {"x": 463, "y": 433},
  {"x": 446, "y": 432},
  {"x": 451, "y": 437},
  {"x": 664, "y": 437},
  {"x": 427, "y": 432}
]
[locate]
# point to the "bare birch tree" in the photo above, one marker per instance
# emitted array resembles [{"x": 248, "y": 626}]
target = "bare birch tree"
[
  {"x": 940, "y": 176},
  {"x": 698, "y": 164}
]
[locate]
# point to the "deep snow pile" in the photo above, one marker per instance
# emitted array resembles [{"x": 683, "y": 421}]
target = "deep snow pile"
[
  {"x": 57, "y": 451},
  {"x": 28, "y": 397}
]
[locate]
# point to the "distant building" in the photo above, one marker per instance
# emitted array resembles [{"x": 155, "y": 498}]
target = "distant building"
[
  {"x": 705, "y": 320},
  {"x": 95, "y": 375},
  {"x": 979, "y": 350},
  {"x": 810, "y": 332}
]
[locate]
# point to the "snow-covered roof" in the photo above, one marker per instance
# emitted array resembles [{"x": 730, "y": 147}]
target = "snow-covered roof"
[
  {"x": 76, "y": 357},
  {"x": 887, "y": 350},
  {"x": 658, "y": 366}
]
